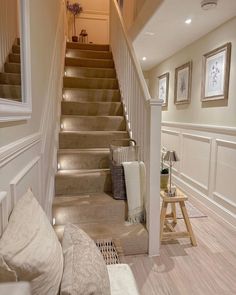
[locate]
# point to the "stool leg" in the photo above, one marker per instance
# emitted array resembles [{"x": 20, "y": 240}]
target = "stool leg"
[
  {"x": 187, "y": 223},
  {"x": 163, "y": 215},
  {"x": 173, "y": 209}
]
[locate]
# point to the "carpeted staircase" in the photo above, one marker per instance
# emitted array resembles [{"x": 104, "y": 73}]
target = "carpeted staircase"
[
  {"x": 10, "y": 79},
  {"x": 91, "y": 117}
]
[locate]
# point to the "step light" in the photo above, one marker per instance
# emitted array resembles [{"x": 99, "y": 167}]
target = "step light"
[
  {"x": 188, "y": 21},
  {"x": 62, "y": 126},
  {"x": 58, "y": 166},
  {"x": 53, "y": 221}
]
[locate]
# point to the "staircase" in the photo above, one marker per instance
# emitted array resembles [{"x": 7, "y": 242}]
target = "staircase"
[
  {"x": 10, "y": 79},
  {"x": 91, "y": 117}
]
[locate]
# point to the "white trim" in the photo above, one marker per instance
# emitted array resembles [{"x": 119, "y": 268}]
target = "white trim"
[
  {"x": 21, "y": 175},
  {"x": 14, "y": 149},
  {"x": 11, "y": 110},
  {"x": 175, "y": 133},
  {"x": 202, "y": 127},
  {"x": 3, "y": 211}
]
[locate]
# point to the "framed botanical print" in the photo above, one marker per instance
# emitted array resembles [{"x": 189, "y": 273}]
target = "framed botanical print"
[
  {"x": 183, "y": 79},
  {"x": 163, "y": 88},
  {"x": 216, "y": 68}
]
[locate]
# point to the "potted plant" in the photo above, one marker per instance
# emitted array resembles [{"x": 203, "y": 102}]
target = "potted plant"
[
  {"x": 75, "y": 9},
  {"x": 164, "y": 171}
]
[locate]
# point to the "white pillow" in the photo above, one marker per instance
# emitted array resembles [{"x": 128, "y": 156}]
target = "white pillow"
[
  {"x": 85, "y": 271},
  {"x": 29, "y": 248}
]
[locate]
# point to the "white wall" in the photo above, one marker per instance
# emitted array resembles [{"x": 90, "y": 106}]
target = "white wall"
[
  {"x": 8, "y": 28},
  {"x": 94, "y": 18},
  {"x": 28, "y": 149},
  {"x": 204, "y": 135}
]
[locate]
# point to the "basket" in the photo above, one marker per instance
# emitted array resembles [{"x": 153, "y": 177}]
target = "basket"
[{"x": 118, "y": 155}]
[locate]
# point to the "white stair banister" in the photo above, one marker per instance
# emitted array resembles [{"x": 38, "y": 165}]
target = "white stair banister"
[{"x": 143, "y": 115}]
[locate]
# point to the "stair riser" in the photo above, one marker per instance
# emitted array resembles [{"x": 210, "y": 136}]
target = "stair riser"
[
  {"x": 95, "y": 47},
  {"x": 75, "y": 141},
  {"x": 88, "y": 54},
  {"x": 90, "y": 72},
  {"x": 93, "y": 123},
  {"x": 94, "y": 109},
  {"x": 89, "y": 212},
  {"x": 14, "y": 58},
  {"x": 83, "y": 184},
  {"x": 10, "y": 91},
  {"x": 12, "y": 68},
  {"x": 12, "y": 79},
  {"x": 90, "y": 83},
  {"x": 83, "y": 160},
  {"x": 91, "y": 95},
  {"x": 16, "y": 49},
  {"x": 90, "y": 63}
]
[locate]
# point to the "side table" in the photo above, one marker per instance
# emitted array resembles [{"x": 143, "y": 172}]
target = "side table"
[{"x": 172, "y": 233}]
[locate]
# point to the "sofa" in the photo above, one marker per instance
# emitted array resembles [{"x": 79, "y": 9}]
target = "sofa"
[{"x": 30, "y": 251}]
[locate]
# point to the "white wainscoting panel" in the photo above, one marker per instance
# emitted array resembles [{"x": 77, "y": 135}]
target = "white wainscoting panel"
[
  {"x": 3, "y": 211},
  {"x": 195, "y": 162},
  {"x": 207, "y": 170},
  {"x": 29, "y": 177},
  {"x": 225, "y": 174},
  {"x": 171, "y": 140}
]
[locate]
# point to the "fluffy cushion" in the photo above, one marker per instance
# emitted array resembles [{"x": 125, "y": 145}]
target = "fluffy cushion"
[
  {"x": 85, "y": 271},
  {"x": 29, "y": 249}
]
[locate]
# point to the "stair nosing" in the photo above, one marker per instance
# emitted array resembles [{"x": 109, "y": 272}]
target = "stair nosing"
[
  {"x": 90, "y": 78},
  {"x": 90, "y": 51},
  {"x": 86, "y": 59},
  {"x": 97, "y": 116},
  {"x": 92, "y": 68}
]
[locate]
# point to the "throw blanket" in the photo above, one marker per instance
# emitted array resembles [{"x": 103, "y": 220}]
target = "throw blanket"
[{"x": 135, "y": 180}]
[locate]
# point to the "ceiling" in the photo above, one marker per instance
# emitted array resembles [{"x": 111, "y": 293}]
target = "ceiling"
[{"x": 169, "y": 33}]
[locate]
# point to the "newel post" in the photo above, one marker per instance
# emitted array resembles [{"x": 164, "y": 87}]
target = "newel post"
[{"x": 153, "y": 175}]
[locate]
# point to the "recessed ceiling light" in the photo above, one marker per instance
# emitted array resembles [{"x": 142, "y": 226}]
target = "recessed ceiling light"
[
  {"x": 208, "y": 4},
  {"x": 188, "y": 21},
  {"x": 144, "y": 58},
  {"x": 149, "y": 33}
]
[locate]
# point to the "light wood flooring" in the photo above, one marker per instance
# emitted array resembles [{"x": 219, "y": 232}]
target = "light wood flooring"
[{"x": 209, "y": 268}]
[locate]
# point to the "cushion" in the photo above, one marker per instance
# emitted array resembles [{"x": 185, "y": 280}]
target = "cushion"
[
  {"x": 30, "y": 250},
  {"x": 122, "y": 280},
  {"x": 85, "y": 271}
]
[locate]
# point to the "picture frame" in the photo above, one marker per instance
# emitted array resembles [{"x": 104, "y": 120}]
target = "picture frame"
[
  {"x": 183, "y": 81},
  {"x": 216, "y": 72},
  {"x": 163, "y": 88}
]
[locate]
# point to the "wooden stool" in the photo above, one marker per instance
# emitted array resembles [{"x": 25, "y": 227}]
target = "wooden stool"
[{"x": 172, "y": 234}]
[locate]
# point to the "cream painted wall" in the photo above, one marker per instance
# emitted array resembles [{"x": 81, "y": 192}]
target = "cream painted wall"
[
  {"x": 94, "y": 19},
  {"x": 213, "y": 113},
  {"x": 28, "y": 148}
]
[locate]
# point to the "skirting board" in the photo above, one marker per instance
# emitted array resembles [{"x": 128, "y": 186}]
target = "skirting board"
[{"x": 200, "y": 198}]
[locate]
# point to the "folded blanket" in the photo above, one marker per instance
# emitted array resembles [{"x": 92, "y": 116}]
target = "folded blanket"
[{"x": 135, "y": 180}]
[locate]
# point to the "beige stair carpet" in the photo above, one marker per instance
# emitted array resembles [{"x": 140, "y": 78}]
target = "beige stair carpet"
[{"x": 91, "y": 118}]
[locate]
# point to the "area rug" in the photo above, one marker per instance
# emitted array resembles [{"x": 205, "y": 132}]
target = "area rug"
[{"x": 108, "y": 249}]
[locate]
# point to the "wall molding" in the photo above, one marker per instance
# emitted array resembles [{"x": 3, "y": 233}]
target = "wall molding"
[
  {"x": 16, "y": 180},
  {"x": 202, "y": 127},
  {"x": 3, "y": 210},
  {"x": 14, "y": 149},
  {"x": 209, "y": 139}
]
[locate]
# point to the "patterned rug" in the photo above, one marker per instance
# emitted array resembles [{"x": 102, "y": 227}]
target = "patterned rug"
[{"x": 108, "y": 250}]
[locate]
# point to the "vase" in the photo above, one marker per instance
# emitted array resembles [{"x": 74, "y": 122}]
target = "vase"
[
  {"x": 75, "y": 38},
  {"x": 164, "y": 181}
]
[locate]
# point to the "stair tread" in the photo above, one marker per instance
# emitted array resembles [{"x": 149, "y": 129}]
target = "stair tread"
[
  {"x": 91, "y": 198},
  {"x": 94, "y": 132},
  {"x": 90, "y": 78},
  {"x": 78, "y": 172},
  {"x": 94, "y": 102},
  {"x": 133, "y": 238},
  {"x": 89, "y": 58},
  {"x": 89, "y": 50},
  {"x": 92, "y": 68},
  {"x": 87, "y": 150},
  {"x": 86, "y": 116}
]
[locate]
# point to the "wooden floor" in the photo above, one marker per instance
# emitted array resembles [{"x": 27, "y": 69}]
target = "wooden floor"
[{"x": 209, "y": 268}]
